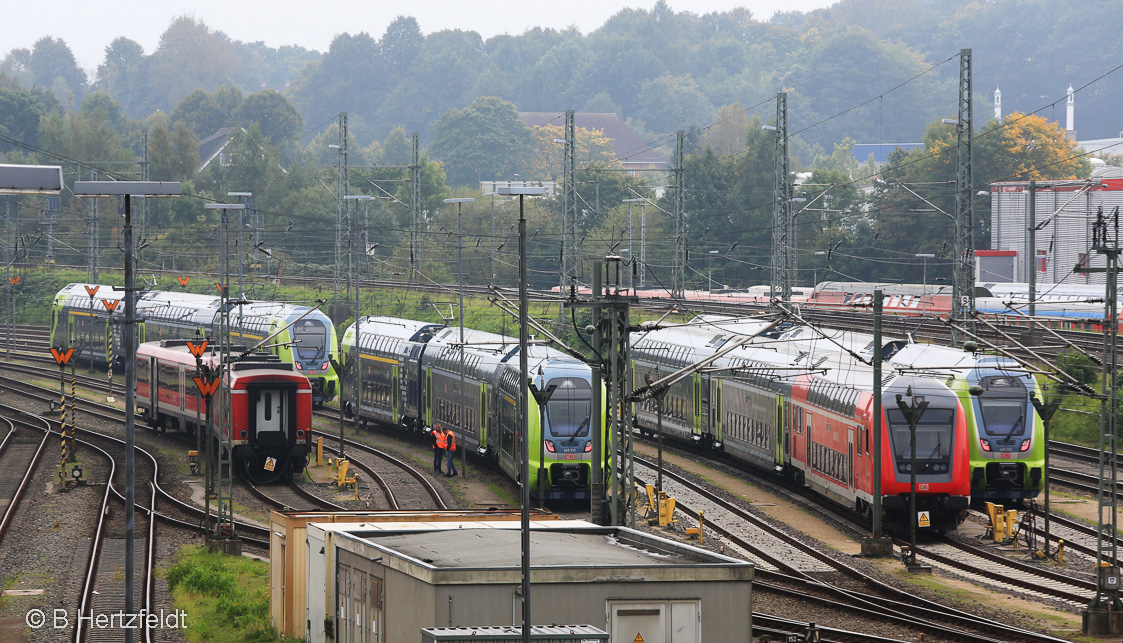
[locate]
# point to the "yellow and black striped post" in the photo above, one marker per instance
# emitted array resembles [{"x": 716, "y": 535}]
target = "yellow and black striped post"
[
  {"x": 109, "y": 329},
  {"x": 72, "y": 454},
  {"x": 64, "y": 456}
]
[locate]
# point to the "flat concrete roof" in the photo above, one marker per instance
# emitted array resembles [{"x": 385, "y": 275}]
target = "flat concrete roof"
[
  {"x": 561, "y": 551},
  {"x": 502, "y": 548}
]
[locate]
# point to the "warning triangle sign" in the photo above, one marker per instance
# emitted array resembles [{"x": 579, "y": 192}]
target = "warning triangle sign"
[{"x": 638, "y": 639}]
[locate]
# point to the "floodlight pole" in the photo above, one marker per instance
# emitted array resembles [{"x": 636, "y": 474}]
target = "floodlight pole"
[
  {"x": 524, "y": 393},
  {"x": 460, "y": 274},
  {"x": 130, "y": 190}
]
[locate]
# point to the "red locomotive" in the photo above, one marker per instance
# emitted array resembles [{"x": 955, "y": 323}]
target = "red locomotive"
[{"x": 262, "y": 405}]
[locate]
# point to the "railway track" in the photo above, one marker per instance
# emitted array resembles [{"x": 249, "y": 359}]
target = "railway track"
[
  {"x": 20, "y": 453},
  {"x": 881, "y": 602},
  {"x": 402, "y": 475}
]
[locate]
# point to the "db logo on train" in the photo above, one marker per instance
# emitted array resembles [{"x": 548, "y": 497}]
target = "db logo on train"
[{"x": 922, "y": 487}]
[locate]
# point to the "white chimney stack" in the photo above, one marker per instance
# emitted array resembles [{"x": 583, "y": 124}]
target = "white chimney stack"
[
  {"x": 998, "y": 104},
  {"x": 1070, "y": 122}
]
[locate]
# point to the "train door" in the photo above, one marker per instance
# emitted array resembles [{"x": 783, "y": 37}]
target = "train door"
[
  {"x": 716, "y": 424},
  {"x": 699, "y": 402},
  {"x": 781, "y": 432},
  {"x": 427, "y": 399},
  {"x": 271, "y": 416},
  {"x": 483, "y": 437},
  {"x": 850, "y": 460},
  {"x": 395, "y": 394}
]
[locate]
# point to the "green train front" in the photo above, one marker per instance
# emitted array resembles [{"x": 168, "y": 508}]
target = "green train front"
[
  {"x": 1007, "y": 437},
  {"x": 411, "y": 377}
]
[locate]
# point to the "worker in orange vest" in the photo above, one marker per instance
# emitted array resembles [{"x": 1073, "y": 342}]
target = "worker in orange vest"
[
  {"x": 450, "y": 449},
  {"x": 438, "y": 447}
]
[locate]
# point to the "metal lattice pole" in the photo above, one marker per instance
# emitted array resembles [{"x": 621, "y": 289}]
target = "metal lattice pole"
[
  {"x": 963, "y": 295},
  {"x": 678, "y": 288},
  {"x": 569, "y": 216},
  {"x": 782, "y": 249},
  {"x": 415, "y": 209}
]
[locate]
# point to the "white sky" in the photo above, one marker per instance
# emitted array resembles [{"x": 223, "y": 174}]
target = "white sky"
[{"x": 88, "y": 27}]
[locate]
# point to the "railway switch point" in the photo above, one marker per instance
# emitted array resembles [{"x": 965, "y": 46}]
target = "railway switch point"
[{"x": 193, "y": 462}]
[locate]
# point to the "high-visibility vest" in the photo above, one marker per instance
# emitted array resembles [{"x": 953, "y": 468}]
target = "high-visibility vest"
[
  {"x": 451, "y": 440},
  {"x": 440, "y": 438}
]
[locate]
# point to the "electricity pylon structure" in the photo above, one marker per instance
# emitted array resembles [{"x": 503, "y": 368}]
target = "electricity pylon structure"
[
  {"x": 342, "y": 187},
  {"x": 963, "y": 291},
  {"x": 678, "y": 278},
  {"x": 415, "y": 208},
  {"x": 569, "y": 198},
  {"x": 783, "y": 239},
  {"x": 1098, "y": 617},
  {"x": 612, "y": 470}
]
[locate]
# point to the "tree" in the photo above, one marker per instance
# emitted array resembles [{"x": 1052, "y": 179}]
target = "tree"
[
  {"x": 200, "y": 113},
  {"x": 278, "y": 120},
  {"x": 173, "y": 150},
  {"x": 190, "y": 56},
  {"x": 546, "y": 158},
  {"x": 122, "y": 74},
  {"x": 485, "y": 140},
  {"x": 54, "y": 68},
  {"x": 727, "y": 135},
  {"x": 21, "y": 109}
]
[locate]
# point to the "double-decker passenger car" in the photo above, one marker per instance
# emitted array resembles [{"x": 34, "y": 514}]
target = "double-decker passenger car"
[
  {"x": 807, "y": 415},
  {"x": 412, "y": 377},
  {"x": 302, "y": 336},
  {"x": 262, "y": 406}
]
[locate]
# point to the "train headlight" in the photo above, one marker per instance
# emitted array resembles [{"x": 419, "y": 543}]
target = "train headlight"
[
  {"x": 300, "y": 434},
  {"x": 1025, "y": 445},
  {"x": 985, "y": 444},
  {"x": 550, "y": 446},
  {"x": 325, "y": 366},
  {"x": 244, "y": 434},
  {"x": 588, "y": 446},
  {"x": 298, "y": 366}
]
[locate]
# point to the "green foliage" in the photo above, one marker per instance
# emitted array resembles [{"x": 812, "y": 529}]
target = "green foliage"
[
  {"x": 483, "y": 140},
  {"x": 228, "y": 596},
  {"x": 1078, "y": 366},
  {"x": 276, "y": 117},
  {"x": 200, "y": 113},
  {"x": 21, "y": 109}
]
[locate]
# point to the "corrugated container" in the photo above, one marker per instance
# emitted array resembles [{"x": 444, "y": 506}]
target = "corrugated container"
[{"x": 540, "y": 633}]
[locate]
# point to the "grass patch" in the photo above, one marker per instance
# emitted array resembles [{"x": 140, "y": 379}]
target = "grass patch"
[
  {"x": 225, "y": 598},
  {"x": 504, "y": 493}
]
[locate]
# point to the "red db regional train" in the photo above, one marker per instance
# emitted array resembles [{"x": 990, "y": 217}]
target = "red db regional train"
[
  {"x": 808, "y": 416},
  {"x": 262, "y": 405}
]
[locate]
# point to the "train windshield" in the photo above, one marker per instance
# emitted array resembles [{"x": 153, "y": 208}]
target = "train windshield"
[
  {"x": 313, "y": 336},
  {"x": 934, "y": 439},
  {"x": 1003, "y": 403},
  {"x": 568, "y": 408}
]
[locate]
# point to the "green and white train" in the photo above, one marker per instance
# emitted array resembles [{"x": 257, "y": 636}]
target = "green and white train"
[
  {"x": 90, "y": 323},
  {"x": 411, "y": 378}
]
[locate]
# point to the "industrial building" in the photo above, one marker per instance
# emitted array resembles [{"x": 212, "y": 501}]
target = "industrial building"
[
  {"x": 385, "y": 582},
  {"x": 1063, "y": 216}
]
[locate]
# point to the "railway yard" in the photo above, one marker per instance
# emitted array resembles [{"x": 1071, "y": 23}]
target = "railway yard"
[{"x": 67, "y": 548}]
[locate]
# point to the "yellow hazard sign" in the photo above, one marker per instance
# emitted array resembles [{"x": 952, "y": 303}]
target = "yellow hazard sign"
[
  {"x": 270, "y": 464},
  {"x": 638, "y": 639},
  {"x": 922, "y": 519}
]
